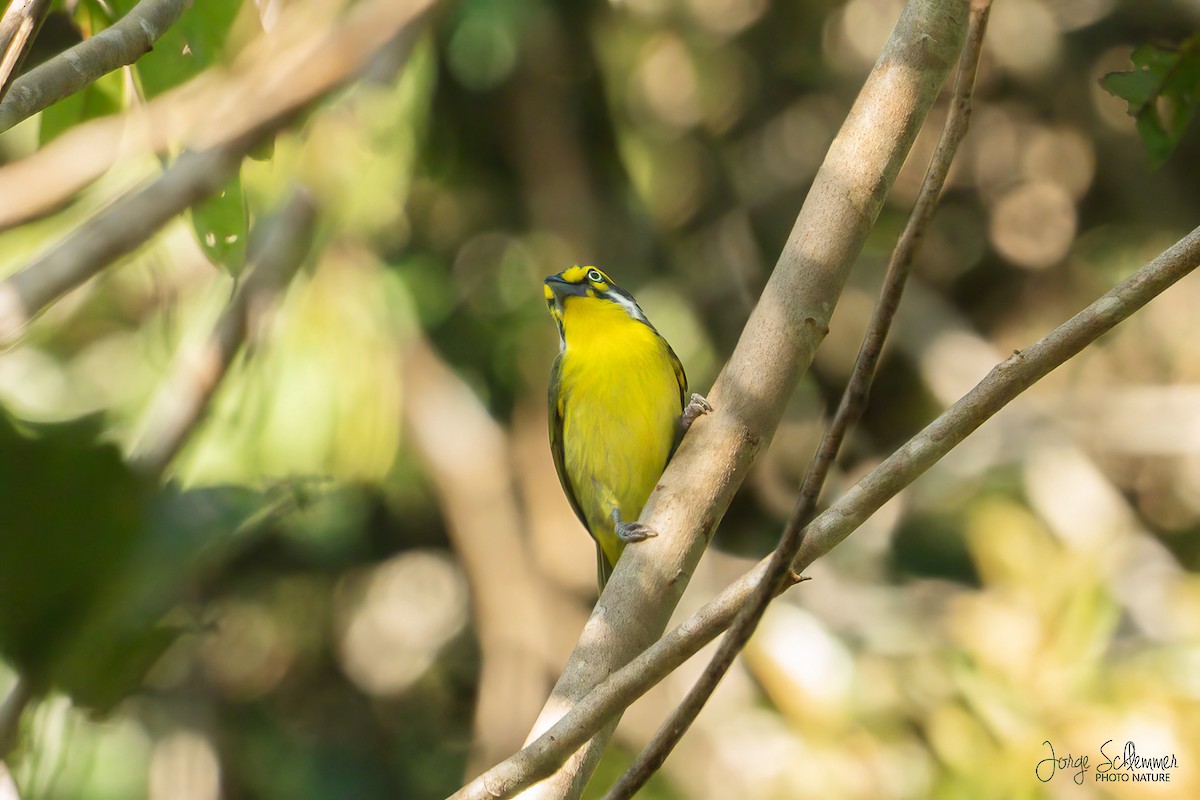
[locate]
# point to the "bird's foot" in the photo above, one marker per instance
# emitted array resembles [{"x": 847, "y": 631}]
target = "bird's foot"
[
  {"x": 634, "y": 532},
  {"x": 695, "y": 409}
]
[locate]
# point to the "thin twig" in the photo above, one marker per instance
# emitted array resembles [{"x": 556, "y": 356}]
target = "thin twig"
[
  {"x": 18, "y": 28},
  {"x": 18, "y": 699},
  {"x": 1005, "y": 382},
  {"x": 116, "y": 46},
  {"x": 182, "y": 402},
  {"x": 853, "y": 401}
]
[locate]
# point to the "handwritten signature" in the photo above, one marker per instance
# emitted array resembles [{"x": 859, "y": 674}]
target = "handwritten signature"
[
  {"x": 1048, "y": 766},
  {"x": 1124, "y": 766}
]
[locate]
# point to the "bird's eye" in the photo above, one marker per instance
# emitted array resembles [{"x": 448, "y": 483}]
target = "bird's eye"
[{"x": 594, "y": 276}]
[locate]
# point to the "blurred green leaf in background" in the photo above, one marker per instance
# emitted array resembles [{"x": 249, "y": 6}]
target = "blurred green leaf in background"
[{"x": 1163, "y": 91}]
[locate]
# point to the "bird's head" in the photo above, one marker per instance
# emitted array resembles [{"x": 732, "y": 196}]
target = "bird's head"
[{"x": 587, "y": 285}]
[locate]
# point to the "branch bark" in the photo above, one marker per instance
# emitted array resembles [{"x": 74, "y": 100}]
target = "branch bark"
[
  {"x": 776, "y": 347},
  {"x": 1007, "y": 380},
  {"x": 118, "y": 45}
]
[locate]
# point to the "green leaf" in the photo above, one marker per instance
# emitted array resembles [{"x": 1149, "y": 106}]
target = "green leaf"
[
  {"x": 221, "y": 223},
  {"x": 186, "y": 533},
  {"x": 93, "y": 16},
  {"x": 190, "y": 46},
  {"x": 71, "y": 511},
  {"x": 1162, "y": 91},
  {"x": 93, "y": 555},
  {"x": 105, "y": 96}
]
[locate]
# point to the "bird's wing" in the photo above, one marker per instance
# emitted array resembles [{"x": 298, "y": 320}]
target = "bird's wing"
[
  {"x": 680, "y": 377},
  {"x": 557, "y": 403}
]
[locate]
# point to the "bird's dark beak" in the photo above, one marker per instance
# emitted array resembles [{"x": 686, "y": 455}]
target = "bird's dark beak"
[{"x": 560, "y": 290}]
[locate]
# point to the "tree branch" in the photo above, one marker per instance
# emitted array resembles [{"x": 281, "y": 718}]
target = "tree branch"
[
  {"x": 18, "y": 28},
  {"x": 1007, "y": 380},
  {"x": 116, "y": 46},
  {"x": 776, "y": 347},
  {"x": 853, "y": 401},
  {"x": 182, "y": 402}
]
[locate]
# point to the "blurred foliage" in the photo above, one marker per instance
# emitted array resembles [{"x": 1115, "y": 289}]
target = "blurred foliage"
[
  {"x": 105, "y": 96},
  {"x": 299, "y": 572},
  {"x": 53, "y": 575},
  {"x": 84, "y": 584},
  {"x": 1162, "y": 90}
]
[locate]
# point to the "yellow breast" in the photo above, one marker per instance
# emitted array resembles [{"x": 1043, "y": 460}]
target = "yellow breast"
[{"x": 621, "y": 405}]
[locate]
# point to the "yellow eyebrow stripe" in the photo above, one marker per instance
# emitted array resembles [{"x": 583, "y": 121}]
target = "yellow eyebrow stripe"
[{"x": 578, "y": 274}]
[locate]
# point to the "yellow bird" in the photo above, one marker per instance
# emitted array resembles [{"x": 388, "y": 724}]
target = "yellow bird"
[{"x": 618, "y": 406}]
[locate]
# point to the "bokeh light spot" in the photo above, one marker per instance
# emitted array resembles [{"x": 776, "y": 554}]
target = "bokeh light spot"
[
  {"x": 482, "y": 51},
  {"x": 395, "y": 618},
  {"x": 184, "y": 766},
  {"x": 1033, "y": 225}
]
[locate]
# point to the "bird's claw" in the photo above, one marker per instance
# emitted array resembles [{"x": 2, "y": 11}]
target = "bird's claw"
[
  {"x": 696, "y": 407},
  {"x": 634, "y": 532}
]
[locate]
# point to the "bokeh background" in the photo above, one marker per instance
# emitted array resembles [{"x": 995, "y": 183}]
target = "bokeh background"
[{"x": 371, "y": 577}]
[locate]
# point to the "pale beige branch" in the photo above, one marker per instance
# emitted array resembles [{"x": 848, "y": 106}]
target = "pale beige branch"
[
  {"x": 182, "y": 402},
  {"x": 776, "y": 348},
  {"x": 116, "y": 46},
  {"x": 1005, "y": 382}
]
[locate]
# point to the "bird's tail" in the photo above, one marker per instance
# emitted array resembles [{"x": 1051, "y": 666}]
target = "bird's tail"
[{"x": 604, "y": 567}]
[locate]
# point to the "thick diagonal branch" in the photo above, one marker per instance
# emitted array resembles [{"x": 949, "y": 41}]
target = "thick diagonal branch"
[{"x": 775, "y": 349}]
